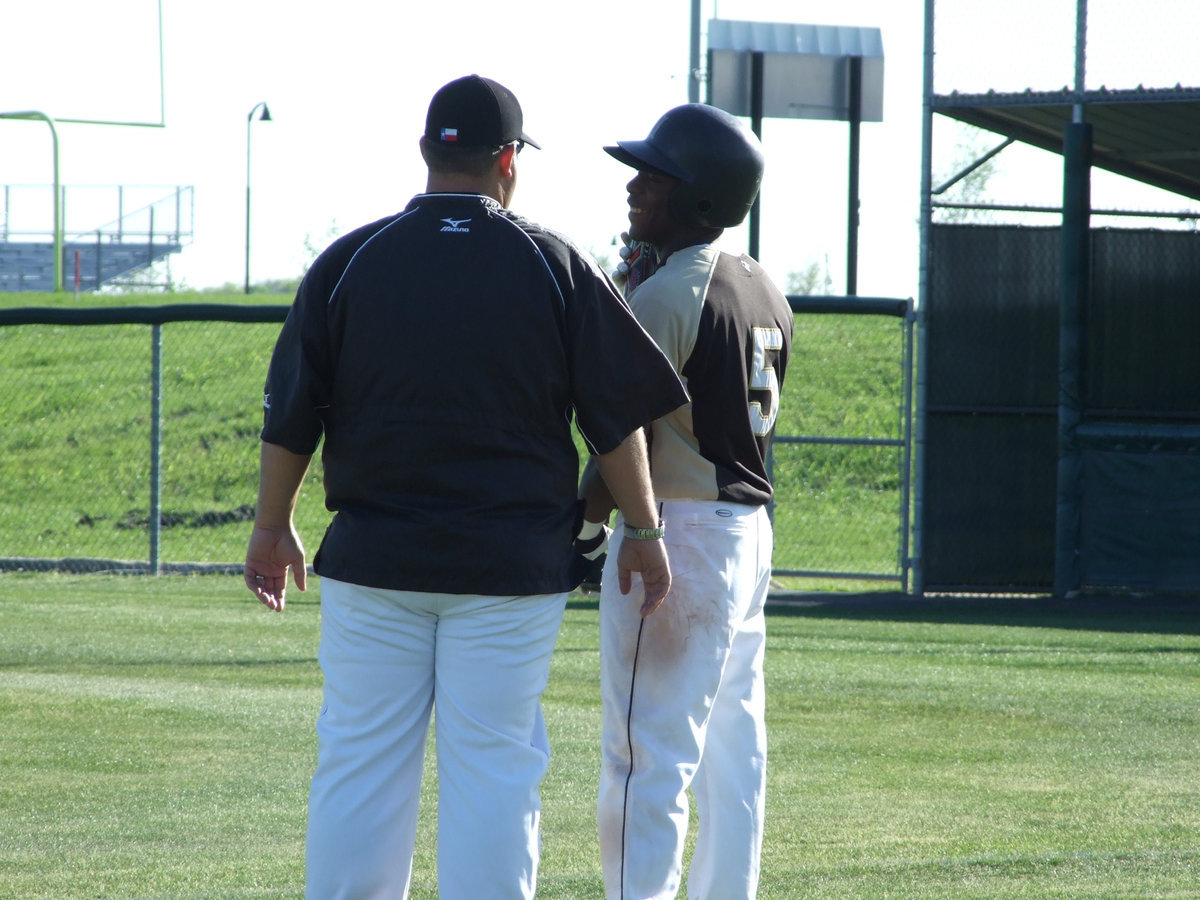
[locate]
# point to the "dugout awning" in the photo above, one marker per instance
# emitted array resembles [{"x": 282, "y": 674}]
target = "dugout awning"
[{"x": 1151, "y": 135}]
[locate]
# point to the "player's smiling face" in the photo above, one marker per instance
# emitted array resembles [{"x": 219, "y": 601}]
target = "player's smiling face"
[{"x": 650, "y": 216}]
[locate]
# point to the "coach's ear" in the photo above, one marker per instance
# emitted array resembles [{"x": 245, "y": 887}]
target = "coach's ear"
[{"x": 507, "y": 160}]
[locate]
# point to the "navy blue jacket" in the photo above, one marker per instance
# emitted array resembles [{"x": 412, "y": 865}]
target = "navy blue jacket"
[{"x": 441, "y": 354}]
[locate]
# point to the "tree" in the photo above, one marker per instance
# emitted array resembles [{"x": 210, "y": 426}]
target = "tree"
[
  {"x": 966, "y": 181},
  {"x": 313, "y": 249},
  {"x": 812, "y": 279}
]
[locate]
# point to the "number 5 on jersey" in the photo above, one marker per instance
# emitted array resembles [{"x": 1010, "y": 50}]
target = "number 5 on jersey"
[{"x": 763, "y": 378}]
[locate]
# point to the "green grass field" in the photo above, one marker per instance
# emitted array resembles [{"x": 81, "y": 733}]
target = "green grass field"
[
  {"x": 75, "y": 450},
  {"x": 158, "y": 739}
]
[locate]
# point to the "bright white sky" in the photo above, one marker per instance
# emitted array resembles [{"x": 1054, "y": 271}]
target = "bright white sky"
[{"x": 348, "y": 84}]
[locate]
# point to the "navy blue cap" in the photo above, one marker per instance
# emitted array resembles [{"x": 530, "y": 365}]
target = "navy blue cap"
[{"x": 475, "y": 112}]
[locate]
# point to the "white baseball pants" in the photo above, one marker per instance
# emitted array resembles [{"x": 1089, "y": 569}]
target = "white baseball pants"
[
  {"x": 683, "y": 707},
  {"x": 390, "y": 658}
]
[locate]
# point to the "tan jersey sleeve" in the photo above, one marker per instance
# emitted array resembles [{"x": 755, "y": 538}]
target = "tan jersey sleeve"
[{"x": 668, "y": 305}]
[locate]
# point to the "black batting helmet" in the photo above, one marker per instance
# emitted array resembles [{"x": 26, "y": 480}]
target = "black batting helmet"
[{"x": 717, "y": 159}]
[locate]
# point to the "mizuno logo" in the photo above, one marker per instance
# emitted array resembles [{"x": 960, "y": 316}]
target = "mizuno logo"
[{"x": 455, "y": 225}]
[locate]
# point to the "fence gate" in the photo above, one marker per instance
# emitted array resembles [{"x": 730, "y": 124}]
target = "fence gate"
[{"x": 842, "y": 482}]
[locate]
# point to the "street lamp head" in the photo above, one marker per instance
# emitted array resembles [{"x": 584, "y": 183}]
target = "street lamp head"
[{"x": 264, "y": 116}]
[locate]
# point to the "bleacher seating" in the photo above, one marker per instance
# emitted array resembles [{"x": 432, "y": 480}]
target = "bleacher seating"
[{"x": 29, "y": 265}]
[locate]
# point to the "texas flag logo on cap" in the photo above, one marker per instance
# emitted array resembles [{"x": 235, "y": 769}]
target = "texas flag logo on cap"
[{"x": 450, "y": 135}]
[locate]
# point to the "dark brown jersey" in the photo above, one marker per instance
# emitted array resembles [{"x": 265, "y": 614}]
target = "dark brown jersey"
[{"x": 727, "y": 329}]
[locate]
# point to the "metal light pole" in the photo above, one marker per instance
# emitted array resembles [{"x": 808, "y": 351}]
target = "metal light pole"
[{"x": 264, "y": 116}]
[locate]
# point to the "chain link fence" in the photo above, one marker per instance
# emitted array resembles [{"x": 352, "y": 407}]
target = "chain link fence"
[
  {"x": 114, "y": 413},
  {"x": 131, "y": 440}
]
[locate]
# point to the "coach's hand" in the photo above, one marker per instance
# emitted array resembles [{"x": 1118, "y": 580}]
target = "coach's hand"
[
  {"x": 272, "y": 552},
  {"x": 650, "y": 559}
]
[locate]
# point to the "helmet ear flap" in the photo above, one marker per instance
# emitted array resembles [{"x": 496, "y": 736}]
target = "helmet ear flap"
[
  {"x": 684, "y": 205},
  {"x": 693, "y": 207}
]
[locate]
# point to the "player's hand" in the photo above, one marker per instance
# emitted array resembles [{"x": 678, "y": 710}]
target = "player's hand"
[
  {"x": 650, "y": 559},
  {"x": 272, "y": 552},
  {"x": 639, "y": 260}
]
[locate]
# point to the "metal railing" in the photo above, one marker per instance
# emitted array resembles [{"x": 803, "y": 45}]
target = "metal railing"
[{"x": 114, "y": 210}]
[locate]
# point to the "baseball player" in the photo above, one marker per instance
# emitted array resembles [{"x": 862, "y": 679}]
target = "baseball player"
[
  {"x": 441, "y": 354},
  {"x": 683, "y": 688}
]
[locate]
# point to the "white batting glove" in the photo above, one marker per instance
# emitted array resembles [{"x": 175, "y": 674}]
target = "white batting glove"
[{"x": 592, "y": 540}]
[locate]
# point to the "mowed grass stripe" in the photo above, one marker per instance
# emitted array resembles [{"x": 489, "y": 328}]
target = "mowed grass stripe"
[{"x": 159, "y": 737}]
